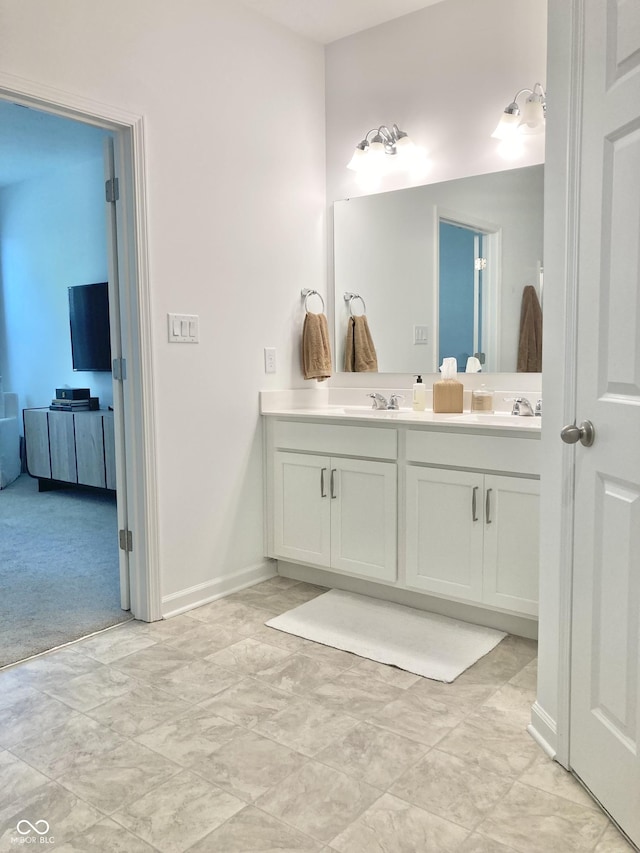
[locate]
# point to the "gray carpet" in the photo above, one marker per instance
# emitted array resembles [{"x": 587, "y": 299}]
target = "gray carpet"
[{"x": 59, "y": 575}]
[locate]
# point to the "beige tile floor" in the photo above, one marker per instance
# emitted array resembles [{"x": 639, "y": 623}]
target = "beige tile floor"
[{"x": 211, "y": 732}]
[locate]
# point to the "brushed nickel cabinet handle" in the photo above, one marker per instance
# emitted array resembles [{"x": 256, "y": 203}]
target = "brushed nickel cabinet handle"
[
  {"x": 323, "y": 494},
  {"x": 474, "y": 497},
  {"x": 487, "y": 507},
  {"x": 333, "y": 483}
]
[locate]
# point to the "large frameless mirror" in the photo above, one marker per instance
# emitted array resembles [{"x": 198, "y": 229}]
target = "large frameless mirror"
[{"x": 440, "y": 269}]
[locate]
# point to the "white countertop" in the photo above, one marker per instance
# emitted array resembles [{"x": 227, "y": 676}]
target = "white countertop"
[{"x": 466, "y": 421}]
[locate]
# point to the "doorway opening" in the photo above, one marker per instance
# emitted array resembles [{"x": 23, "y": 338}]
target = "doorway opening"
[
  {"x": 468, "y": 284},
  {"x": 122, "y": 426}
]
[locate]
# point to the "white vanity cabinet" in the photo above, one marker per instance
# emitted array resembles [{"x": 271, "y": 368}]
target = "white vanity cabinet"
[
  {"x": 450, "y": 512},
  {"x": 470, "y": 535},
  {"x": 335, "y": 512}
]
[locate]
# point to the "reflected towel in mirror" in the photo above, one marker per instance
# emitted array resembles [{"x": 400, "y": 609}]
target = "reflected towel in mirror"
[
  {"x": 530, "y": 342},
  {"x": 359, "y": 352},
  {"x": 316, "y": 351}
]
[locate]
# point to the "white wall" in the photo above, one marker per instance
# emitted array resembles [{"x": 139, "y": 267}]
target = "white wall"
[
  {"x": 52, "y": 236},
  {"x": 234, "y": 113},
  {"x": 444, "y": 75}
]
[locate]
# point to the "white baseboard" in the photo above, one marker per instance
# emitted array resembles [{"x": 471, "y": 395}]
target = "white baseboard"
[
  {"x": 203, "y": 593},
  {"x": 543, "y": 730}
]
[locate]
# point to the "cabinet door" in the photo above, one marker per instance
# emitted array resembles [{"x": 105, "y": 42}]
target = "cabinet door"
[
  {"x": 511, "y": 548},
  {"x": 63, "y": 447},
  {"x": 444, "y": 532},
  {"x": 36, "y": 436},
  {"x": 90, "y": 449},
  {"x": 364, "y": 518},
  {"x": 301, "y": 508}
]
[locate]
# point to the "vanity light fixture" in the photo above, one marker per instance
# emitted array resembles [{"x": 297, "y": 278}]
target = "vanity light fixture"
[
  {"x": 516, "y": 122},
  {"x": 384, "y": 149}
]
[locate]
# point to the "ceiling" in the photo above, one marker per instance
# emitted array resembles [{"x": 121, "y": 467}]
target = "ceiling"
[
  {"x": 34, "y": 142},
  {"x": 325, "y": 21}
]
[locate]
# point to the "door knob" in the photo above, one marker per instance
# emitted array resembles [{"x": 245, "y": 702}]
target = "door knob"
[{"x": 585, "y": 433}]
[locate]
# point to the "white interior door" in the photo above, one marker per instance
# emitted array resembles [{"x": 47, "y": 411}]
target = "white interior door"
[{"x": 605, "y": 668}]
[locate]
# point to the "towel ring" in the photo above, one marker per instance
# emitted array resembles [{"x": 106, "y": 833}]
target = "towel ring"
[
  {"x": 349, "y": 297},
  {"x": 306, "y": 293}
]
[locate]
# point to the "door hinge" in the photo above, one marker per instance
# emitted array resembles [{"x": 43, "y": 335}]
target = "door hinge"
[
  {"x": 126, "y": 540},
  {"x": 112, "y": 190},
  {"x": 480, "y": 264},
  {"x": 119, "y": 369}
]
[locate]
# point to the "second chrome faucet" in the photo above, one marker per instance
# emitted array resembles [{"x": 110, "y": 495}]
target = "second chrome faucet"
[{"x": 380, "y": 402}]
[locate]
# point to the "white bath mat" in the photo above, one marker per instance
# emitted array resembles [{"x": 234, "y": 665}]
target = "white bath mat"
[{"x": 423, "y": 643}]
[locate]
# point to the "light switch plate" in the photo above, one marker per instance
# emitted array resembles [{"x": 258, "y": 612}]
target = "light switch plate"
[
  {"x": 183, "y": 328},
  {"x": 420, "y": 334}
]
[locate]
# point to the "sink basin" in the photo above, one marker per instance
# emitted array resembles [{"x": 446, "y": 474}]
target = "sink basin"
[{"x": 494, "y": 420}]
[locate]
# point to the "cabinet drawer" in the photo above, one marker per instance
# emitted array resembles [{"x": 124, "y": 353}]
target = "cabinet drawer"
[
  {"x": 336, "y": 439},
  {"x": 484, "y": 452}
]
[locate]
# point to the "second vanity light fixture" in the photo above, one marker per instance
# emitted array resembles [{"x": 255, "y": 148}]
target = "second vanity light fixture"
[
  {"x": 516, "y": 122},
  {"x": 383, "y": 150}
]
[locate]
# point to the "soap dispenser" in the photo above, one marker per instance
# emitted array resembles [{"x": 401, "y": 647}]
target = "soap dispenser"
[{"x": 419, "y": 395}]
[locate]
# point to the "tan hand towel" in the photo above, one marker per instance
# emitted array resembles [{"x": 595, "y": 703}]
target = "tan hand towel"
[
  {"x": 316, "y": 351},
  {"x": 359, "y": 352},
  {"x": 530, "y": 343}
]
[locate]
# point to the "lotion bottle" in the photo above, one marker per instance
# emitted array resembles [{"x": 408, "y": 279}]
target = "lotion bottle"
[{"x": 419, "y": 395}]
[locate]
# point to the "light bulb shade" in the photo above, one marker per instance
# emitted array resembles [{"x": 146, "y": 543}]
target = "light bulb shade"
[
  {"x": 532, "y": 118},
  {"x": 507, "y": 126},
  {"x": 405, "y": 149},
  {"x": 383, "y": 150},
  {"x": 358, "y": 160},
  {"x": 375, "y": 153}
]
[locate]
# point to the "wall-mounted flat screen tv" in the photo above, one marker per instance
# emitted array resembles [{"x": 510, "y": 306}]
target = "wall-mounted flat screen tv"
[{"x": 89, "y": 321}]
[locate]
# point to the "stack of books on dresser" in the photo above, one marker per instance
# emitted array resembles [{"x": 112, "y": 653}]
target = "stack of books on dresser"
[
  {"x": 74, "y": 400},
  {"x": 62, "y": 405}
]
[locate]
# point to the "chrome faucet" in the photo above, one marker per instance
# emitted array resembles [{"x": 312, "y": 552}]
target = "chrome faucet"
[
  {"x": 522, "y": 407},
  {"x": 538, "y": 411},
  {"x": 379, "y": 402}
]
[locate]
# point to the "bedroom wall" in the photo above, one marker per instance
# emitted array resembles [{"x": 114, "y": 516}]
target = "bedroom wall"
[{"x": 52, "y": 236}]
